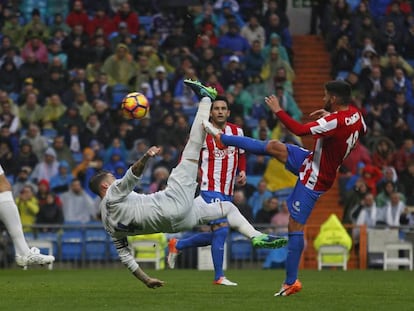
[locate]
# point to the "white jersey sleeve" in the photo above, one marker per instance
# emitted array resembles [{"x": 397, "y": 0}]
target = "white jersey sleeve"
[
  {"x": 1, "y": 170},
  {"x": 124, "y": 253},
  {"x": 122, "y": 187}
]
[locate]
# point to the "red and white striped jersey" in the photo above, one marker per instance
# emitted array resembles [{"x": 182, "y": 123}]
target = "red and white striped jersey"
[
  {"x": 335, "y": 136},
  {"x": 219, "y": 167}
]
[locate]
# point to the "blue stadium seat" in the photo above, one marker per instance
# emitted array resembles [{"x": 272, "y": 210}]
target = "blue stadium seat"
[
  {"x": 52, "y": 237},
  {"x": 276, "y": 258},
  {"x": 283, "y": 194},
  {"x": 96, "y": 244},
  {"x": 118, "y": 93},
  {"x": 72, "y": 243},
  {"x": 241, "y": 247}
]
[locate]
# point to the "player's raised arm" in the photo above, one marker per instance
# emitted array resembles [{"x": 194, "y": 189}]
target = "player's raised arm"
[
  {"x": 290, "y": 123},
  {"x": 121, "y": 188}
]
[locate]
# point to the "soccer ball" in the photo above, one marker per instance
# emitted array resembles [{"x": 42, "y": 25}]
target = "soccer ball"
[{"x": 135, "y": 106}]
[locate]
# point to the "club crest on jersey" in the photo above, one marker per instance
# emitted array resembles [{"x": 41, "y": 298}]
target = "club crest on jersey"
[
  {"x": 222, "y": 153},
  {"x": 296, "y": 206},
  {"x": 352, "y": 119}
]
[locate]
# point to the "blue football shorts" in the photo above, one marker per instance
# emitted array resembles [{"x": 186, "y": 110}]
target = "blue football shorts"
[{"x": 302, "y": 200}]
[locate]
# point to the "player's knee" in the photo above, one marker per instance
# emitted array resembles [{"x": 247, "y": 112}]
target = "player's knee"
[{"x": 277, "y": 149}]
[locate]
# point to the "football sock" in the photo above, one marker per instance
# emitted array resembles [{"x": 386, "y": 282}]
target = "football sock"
[
  {"x": 217, "y": 250},
  {"x": 295, "y": 248},
  {"x": 199, "y": 239},
  {"x": 9, "y": 215},
  {"x": 197, "y": 133},
  {"x": 236, "y": 220},
  {"x": 249, "y": 144}
]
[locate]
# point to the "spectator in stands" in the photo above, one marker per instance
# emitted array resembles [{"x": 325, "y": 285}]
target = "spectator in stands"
[
  {"x": 288, "y": 103},
  {"x": 258, "y": 198},
  {"x": 88, "y": 156},
  {"x": 159, "y": 179},
  {"x": 407, "y": 183},
  {"x": 13, "y": 30},
  {"x": 370, "y": 215},
  {"x": 38, "y": 142},
  {"x": 239, "y": 199},
  {"x": 100, "y": 20},
  {"x": 120, "y": 66},
  {"x": 50, "y": 207},
  {"x": 342, "y": 58},
  {"x": 25, "y": 156},
  {"x": 53, "y": 109},
  {"x": 21, "y": 180},
  {"x": 383, "y": 198},
  {"x": 94, "y": 130},
  {"x": 62, "y": 150},
  {"x": 269, "y": 209},
  {"x": 58, "y": 28},
  {"x": 77, "y": 16},
  {"x": 383, "y": 152},
  {"x": 281, "y": 219},
  {"x": 232, "y": 43},
  {"x": 408, "y": 43},
  {"x": 125, "y": 14},
  {"x": 253, "y": 31},
  {"x": 271, "y": 66},
  {"x": 162, "y": 23},
  {"x": 394, "y": 210},
  {"x": 46, "y": 168},
  {"x": 232, "y": 72},
  {"x": 28, "y": 207},
  {"x": 274, "y": 25},
  {"x": 69, "y": 118},
  {"x": 254, "y": 60},
  {"x": 242, "y": 98},
  {"x": 9, "y": 77},
  {"x": 55, "y": 50},
  {"x": 77, "y": 205},
  {"x": 36, "y": 27},
  {"x": 85, "y": 109},
  {"x": 60, "y": 182},
  {"x": 32, "y": 69},
  {"x": 30, "y": 111},
  {"x": 371, "y": 175},
  {"x": 404, "y": 155}
]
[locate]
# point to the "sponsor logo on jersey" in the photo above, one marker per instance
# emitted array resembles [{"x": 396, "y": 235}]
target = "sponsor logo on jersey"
[{"x": 296, "y": 206}]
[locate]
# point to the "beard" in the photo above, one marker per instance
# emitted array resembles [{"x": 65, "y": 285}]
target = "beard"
[{"x": 328, "y": 106}]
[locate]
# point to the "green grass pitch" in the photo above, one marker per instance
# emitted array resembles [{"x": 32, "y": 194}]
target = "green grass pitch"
[{"x": 116, "y": 289}]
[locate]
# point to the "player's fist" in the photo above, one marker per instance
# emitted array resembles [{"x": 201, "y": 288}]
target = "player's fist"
[{"x": 153, "y": 151}]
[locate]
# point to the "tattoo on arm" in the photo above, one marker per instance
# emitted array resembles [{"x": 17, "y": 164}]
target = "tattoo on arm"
[{"x": 138, "y": 166}]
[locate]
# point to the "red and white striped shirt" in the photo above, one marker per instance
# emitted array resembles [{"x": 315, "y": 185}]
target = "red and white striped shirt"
[
  {"x": 335, "y": 136},
  {"x": 219, "y": 167}
]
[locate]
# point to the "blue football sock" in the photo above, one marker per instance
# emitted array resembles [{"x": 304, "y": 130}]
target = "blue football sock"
[
  {"x": 217, "y": 250},
  {"x": 249, "y": 144},
  {"x": 199, "y": 239},
  {"x": 295, "y": 248}
]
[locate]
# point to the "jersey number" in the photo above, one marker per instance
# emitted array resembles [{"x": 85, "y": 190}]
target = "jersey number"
[{"x": 351, "y": 141}]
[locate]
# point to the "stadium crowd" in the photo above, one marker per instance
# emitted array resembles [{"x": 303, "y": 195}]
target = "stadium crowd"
[{"x": 65, "y": 65}]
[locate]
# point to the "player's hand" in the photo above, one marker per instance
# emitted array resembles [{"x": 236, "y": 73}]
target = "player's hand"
[
  {"x": 153, "y": 151},
  {"x": 273, "y": 103},
  {"x": 320, "y": 113},
  {"x": 241, "y": 179},
  {"x": 154, "y": 283}
]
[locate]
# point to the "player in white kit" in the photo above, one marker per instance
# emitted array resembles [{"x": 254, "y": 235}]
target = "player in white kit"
[
  {"x": 9, "y": 215},
  {"x": 125, "y": 212}
]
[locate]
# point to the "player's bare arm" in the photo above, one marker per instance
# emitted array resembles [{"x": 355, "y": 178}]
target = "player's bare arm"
[
  {"x": 147, "y": 280},
  {"x": 273, "y": 103},
  {"x": 138, "y": 166}
]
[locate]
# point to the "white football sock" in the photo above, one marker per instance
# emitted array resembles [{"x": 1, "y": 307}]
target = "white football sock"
[
  {"x": 9, "y": 215},
  {"x": 197, "y": 133}
]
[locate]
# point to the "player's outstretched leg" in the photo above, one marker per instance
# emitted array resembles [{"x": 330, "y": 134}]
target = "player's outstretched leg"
[
  {"x": 200, "y": 89},
  {"x": 222, "y": 141},
  {"x": 238, "y": 222}
]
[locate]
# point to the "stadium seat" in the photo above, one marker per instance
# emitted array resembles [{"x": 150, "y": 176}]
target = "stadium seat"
[
  {"x": 96, "y": 244},
  {"x": 52, "y": 237},
  {"x": 240, "y": 247},
  {"x": 118, "y": 93},
  {"x": 332, "y": 250},
  {"x": 283, "y": 194},
  {"x": 72, "y": 243}
]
